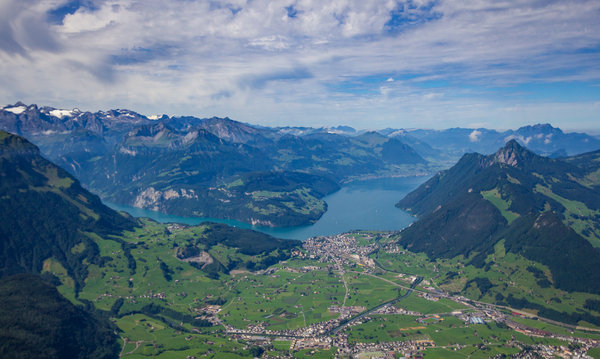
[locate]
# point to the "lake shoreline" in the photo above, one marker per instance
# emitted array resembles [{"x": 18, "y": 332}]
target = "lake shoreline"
[{"x": 357, "y": 205}]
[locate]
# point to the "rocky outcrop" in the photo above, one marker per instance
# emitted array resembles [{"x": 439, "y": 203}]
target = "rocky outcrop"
[{"x": 153, "y": 199}]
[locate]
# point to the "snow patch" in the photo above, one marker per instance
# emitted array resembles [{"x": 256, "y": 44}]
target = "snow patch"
[
  {"x": 16, "y": 110},
  {"x": 61, "y": 113},
  {"x": 153, "y": 117}
]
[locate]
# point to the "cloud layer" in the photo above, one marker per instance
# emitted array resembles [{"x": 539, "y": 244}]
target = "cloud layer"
[{"x": 306, "y": 62}]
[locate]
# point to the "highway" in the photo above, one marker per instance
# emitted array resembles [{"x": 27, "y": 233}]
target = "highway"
[{"x": 367, "y": 312}]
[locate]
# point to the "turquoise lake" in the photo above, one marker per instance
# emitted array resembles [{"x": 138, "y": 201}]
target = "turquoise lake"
[{"x": 366, "y": 205}]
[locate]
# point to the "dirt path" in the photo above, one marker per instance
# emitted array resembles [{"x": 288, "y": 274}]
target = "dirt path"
[{"x": 345, "y": 285}]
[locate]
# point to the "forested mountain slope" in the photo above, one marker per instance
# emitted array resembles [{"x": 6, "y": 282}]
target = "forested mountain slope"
[{"x": 547, "y": 210}]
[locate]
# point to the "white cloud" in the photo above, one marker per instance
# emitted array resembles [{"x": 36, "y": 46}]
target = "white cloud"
[
  {"x": 196, "y": 57},
  {"x": 475, "y": 136},
  {"x": 271, "y": 43}
]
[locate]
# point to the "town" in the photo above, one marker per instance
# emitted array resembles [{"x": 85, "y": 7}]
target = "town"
[{"x": 350, "y": 253}]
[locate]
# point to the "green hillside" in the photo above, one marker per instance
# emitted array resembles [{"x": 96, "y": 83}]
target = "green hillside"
[
  {"x": 47, "y": 214},
  {"x": 545, "y": 210}
]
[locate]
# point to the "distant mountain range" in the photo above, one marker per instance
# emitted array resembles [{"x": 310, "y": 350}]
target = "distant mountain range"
[
  {"x": 217, "y": 167},
  {"x": 513, "y": 201},
  {"x": 211, "y": 167},
  {"x": 542, "y": 139}
]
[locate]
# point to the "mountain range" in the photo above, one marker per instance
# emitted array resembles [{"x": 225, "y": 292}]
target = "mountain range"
[
  {"x": 217, "y": 167},
  {"x": 542, "y": 139},
  {"x": 211, "y": 167},
  {"x": 48, "y": 215}
]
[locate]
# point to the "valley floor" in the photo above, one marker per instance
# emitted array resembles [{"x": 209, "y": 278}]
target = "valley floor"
[{"x": 350, "y": 295}]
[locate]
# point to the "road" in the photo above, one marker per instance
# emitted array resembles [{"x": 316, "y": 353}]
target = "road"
[{"x": 367, "y": 312}]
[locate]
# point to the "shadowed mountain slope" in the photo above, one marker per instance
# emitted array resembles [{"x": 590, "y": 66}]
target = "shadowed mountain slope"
[
  {"x": 46, "y": 213},
  {"x": 37, "y": 322},
  {"x": 544, "y": 209}
]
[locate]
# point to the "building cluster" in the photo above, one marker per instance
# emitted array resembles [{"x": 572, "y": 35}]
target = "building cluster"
[
  {"x": 343, "y": 250},
  {"x": 428, "y": 296},
  {"x": 339, "y": 249},
  {"x": 209, "y": 313},
  {"x": 311, "y": 331},
  {"x": 409, "y": 349},
  {"x": 390, "y": 309},
  {"x": 132, "y": 298},
  {"x": 311, "y": 343},
  {"x": 551, "y": 352},
  {"x": 577, "y": 348},
  {"x": 347, "y": 311}
]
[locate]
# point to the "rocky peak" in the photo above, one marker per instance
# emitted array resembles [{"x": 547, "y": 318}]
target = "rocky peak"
[
  {"x": 511, "y": 154},
  {"x": 149, "y": 130},
  {"x": 540, "y": 128}
]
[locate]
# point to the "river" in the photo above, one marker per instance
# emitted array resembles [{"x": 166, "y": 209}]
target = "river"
[{"x": 366, "y": 205}]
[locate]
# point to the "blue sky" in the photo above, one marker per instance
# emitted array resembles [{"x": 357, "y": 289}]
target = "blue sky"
[{"x": 368, "y": 64}]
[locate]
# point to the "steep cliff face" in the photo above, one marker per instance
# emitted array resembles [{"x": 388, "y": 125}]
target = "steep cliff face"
[{"x": 152, "y": 199}]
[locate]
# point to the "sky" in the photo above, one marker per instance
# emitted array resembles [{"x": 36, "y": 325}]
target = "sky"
[{"x": 364, "y": 63}]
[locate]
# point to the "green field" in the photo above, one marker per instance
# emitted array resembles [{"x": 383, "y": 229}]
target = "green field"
[
  {"x": 446, "y": 332},
  {"x": 495, "y": 198},
  {"x": 316, "y": 354},
  {"x": 407, "y": 263},
  {"x": 147, "y": 337},
  {"x": 538, "y": 324},
  {"x": 387, "y": 328},
  {"x": 594, "y": 353},
  {"x": 154, "y": 297},
  {"x": 283, "y": 300}
]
